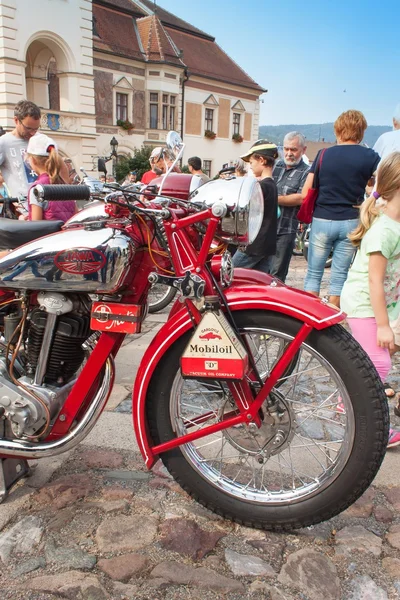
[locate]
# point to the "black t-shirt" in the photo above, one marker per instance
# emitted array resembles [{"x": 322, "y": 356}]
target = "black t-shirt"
[
  {"x": 344, "y": 173},
  {"x": 265, "y": 242}
]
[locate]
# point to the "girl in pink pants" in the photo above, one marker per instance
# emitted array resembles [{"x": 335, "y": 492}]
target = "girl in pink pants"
[{"x": 371, "y": 294}]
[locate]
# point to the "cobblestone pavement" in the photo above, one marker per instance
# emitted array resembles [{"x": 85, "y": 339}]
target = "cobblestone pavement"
[{"x": 94, "y": 524}]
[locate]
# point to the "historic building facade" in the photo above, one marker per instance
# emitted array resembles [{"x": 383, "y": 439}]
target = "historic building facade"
[{"x": 119, "y": 68}]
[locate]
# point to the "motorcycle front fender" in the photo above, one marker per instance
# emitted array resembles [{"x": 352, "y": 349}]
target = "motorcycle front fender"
[{"x": 274, "y": 296}]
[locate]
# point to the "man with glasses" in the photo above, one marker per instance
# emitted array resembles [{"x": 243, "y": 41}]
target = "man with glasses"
[{"x": 16, "y": 171}]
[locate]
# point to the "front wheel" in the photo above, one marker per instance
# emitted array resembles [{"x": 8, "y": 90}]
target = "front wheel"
[{"x": 320, "y": 457}]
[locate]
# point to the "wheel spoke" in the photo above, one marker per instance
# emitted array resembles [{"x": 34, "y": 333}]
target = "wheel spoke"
[{"x": 281, "y": 461}]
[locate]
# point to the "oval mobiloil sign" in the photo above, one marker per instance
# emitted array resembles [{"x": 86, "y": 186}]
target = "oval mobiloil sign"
[{"x": 80, "y": 261}]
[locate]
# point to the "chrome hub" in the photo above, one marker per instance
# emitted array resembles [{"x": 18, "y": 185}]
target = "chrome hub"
[{"x": 274, "y": 435}]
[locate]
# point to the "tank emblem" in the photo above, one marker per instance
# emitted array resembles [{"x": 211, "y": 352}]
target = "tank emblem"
[{"x": 80, "y": 261}]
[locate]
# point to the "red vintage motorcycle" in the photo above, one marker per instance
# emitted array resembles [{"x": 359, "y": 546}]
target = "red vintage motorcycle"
[{"x": 238, "y": 392}]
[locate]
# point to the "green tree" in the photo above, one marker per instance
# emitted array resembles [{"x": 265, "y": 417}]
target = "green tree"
[{"x": 139, "y": 162}]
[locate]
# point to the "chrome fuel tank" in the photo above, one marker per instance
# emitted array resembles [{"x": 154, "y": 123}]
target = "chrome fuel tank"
[
  {"x": 77, "y": 260},
  {"x": 93, "y": 212}
]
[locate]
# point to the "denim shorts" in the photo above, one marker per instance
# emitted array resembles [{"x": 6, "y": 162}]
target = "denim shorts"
[{"x": 325, "y": 237}]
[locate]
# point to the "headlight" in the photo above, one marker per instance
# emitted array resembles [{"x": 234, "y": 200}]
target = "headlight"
[
  {"x": 245, "y": 207},
  {"x": 256, "y": 212}
]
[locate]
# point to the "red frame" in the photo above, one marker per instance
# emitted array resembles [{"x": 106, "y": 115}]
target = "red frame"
[{"x": 250, "y": 290}]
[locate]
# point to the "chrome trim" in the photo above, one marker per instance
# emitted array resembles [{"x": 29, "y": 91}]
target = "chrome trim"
[
  {"x": 94, "y": 261},
  {"x": 240, "y": 196},
  {"x": 226, "y": 271},
  {"x": 93, "y": 212},
  {"x": 30, "y": 450}
]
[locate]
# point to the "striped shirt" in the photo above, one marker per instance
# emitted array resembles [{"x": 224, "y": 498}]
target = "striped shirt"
[{"x": 289, "y": 181}]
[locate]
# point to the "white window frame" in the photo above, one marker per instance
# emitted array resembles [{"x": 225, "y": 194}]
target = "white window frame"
[
  {"x": 123, "y": 86},
  {"x": 204, "y": 168},
  {"x": 210, "y": 103}
]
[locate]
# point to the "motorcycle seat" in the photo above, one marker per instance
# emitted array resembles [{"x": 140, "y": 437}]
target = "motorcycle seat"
[{"x": 16, "y": 233}]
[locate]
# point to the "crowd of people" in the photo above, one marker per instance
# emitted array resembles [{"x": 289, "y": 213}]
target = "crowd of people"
[
  {"x": 343, "y": 220},
  {"x": 362, "y": 233}
]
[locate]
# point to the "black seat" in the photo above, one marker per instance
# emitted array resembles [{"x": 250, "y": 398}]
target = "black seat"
[{"x": 16, "y": 233}]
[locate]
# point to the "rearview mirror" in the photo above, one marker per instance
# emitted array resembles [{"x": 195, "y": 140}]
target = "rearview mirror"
[{"x": 174, "y": 143}]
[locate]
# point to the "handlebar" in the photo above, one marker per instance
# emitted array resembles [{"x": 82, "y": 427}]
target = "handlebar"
[
  {"x": 61, "y": 192},
  {"x": 10, "y": 200}
]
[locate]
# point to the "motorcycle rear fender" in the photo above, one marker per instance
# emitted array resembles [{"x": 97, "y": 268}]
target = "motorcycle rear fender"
[{"x": 275, "y": 297}]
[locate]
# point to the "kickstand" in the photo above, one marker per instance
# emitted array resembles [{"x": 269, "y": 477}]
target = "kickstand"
[{"x": 11, "y": 471}]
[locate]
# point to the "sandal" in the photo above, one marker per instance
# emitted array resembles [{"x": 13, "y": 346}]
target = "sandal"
[{"x": 389, "y": 391}]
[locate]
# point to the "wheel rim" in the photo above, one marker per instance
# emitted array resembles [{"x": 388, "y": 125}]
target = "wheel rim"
[
  {"x": 317, "y": 437},
  {"x": 158, "y": 294}
]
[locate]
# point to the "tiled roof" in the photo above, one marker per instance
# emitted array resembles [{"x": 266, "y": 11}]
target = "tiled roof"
[
  {"x": 156, "y": 44},
  {"x": 163, "y": 36},
  {"x": 126, "y": 5},
  {"x": 116, "y": 33},
  {"x": 204, "y": 57},
  {"x": 168, "y": 18}
]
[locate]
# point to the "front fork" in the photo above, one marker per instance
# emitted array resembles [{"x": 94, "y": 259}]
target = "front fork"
[{"x": 248, "y": 405}]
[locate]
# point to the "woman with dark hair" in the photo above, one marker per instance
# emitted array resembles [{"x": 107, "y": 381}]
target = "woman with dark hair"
[{"x": 345, "y": 171}]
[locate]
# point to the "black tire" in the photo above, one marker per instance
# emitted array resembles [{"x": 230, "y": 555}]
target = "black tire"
[
  {"x": 354, "y": 464},
  {"x": 160, "y": 296}
]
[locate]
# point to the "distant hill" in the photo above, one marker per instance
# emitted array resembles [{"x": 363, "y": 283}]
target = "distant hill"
[{"x": 316, "y": 133}]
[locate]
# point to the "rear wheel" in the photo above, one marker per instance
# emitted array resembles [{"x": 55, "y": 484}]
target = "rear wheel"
[
  {"x": 160, "y": 296},
  {"x": 313, "y": 464}
]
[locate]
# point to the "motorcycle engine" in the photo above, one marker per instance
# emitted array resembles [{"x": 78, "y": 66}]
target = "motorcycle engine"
[
  {"x": 66, "y": 352},
  {"x": 46, "y": 363}
]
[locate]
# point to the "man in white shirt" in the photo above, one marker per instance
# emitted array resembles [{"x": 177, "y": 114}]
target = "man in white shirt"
[
  {"x": 390, "y": 141},
  {"x": 16, "y": 171}
]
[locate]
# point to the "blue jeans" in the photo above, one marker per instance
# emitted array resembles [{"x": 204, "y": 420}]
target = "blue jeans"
[
  {"x": 327, "y": 236},
  {"x": 261, "y": 263}
]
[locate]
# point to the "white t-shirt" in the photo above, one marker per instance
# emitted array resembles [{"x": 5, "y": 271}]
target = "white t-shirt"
[
  {"x": 16, "y": 171},
  {"x": 387, "y": 143}
]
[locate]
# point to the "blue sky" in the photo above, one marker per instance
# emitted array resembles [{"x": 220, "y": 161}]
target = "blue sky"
[{"x": 307, "y": 53}]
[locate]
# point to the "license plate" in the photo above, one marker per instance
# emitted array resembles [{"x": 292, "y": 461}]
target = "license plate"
[
  {"x": 115, "y": 317},
  {"x": 214, "y": 351}
]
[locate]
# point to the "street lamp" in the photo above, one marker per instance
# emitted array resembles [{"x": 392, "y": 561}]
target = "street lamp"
[
  {"x": 114, "y": 154},
  {"x": 114, "y": 146}
]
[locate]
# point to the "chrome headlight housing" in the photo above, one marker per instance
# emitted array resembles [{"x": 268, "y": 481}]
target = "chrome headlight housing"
[{"x": 244, "y": 204}]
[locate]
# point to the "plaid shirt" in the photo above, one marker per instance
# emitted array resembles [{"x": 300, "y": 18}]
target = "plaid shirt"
[{"x": 289, "y": 181}]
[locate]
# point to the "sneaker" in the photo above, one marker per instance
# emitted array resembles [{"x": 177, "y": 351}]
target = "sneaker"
[{"x": 394, "y": 438}]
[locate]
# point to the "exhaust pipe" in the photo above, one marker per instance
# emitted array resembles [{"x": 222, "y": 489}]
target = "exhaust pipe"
[{"x": 30, "y": 450}]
